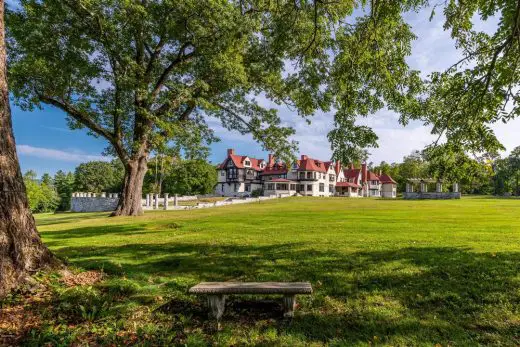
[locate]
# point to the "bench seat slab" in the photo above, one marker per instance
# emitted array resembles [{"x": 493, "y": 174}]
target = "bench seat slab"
[{"x": 285, "y": 288}]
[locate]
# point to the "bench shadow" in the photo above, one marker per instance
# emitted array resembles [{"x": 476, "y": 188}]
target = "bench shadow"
[{"x": 441, "y": 295}]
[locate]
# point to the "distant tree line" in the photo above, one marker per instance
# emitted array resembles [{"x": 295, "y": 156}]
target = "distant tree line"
[
  {"x": 488, "y": 173},
  {"x": 164, "y": 175}
]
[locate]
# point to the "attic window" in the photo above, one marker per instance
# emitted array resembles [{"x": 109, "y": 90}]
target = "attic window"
[
  {"x": 318, "y": 164},
  {"x": 248, "y": 163}
]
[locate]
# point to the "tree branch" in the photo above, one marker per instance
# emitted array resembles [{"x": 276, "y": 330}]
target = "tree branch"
[
  {"x": 181, "y": 57},
  {"x": 84, "y": 119}
]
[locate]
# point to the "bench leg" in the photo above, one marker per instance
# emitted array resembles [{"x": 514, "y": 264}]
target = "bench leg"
[
  {"x": 289, "y": 302},
  {"x": 216, "y": 304}
]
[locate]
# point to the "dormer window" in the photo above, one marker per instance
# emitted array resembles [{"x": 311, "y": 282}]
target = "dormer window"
[{"x": 247, "y": 163}]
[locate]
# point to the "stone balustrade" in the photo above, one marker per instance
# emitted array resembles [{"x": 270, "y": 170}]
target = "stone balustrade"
[{"x": 106, "y": 202}]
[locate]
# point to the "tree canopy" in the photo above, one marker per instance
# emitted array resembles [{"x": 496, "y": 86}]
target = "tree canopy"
[{"x": 99, "y": 176}]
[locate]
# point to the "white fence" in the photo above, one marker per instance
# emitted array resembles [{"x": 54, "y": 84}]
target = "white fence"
[{"x": 105, "y": 202}]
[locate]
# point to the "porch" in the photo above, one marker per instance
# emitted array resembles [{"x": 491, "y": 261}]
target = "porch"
[{"x": 348, "y": 189}]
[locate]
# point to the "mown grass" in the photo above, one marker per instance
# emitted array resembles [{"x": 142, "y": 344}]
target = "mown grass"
[{"x": 385, "y": 272}]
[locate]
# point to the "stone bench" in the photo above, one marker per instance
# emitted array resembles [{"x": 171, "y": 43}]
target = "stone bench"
[{"x": 217, "y": 292}]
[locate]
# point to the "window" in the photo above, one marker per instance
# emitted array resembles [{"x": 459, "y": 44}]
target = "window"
[
  {"x": 235, "y": 189},
  {"x": 331, "y": 188},
  {"x": 281, "y": 186},
  {"x": 293, "y": 186},
  {"x": 322, "y": 187},
  {"x": 309, "y": 174},
  {"x": 270, "y": 186},
  {"x": 247, "y": 163},
  {"x": 309, "y": 187},
  {"x": 332, "y": 178},
  {"x": 222, "y": 173},
  {"x": 248, "y": 187},
  {"x": 302, "y": 175}
]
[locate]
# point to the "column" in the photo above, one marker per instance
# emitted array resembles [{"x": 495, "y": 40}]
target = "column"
[
  {"x": 455, "y": 187},
  {"x": 103, "y": 194},
  {"x": 166, "y": 201},
  {"x": 147, "y": 203},
  {"x": 439, "y": 187},
  {"x": 116, "y": 195},
  {"x": 156, "y": 201},
  {"x": 424, "y": 187},
  {"x": 175, "y": 201}
]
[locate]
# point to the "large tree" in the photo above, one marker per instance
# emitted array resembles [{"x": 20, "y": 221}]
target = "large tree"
[
  {"x": 21, "y": 249},
  {"x": 144, "y": 73}
]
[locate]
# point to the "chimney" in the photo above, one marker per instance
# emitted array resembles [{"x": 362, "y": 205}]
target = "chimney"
[
  {"x": 364, "y": 174},
  {"x": 304, "y": 157},
  {"x": 380, "y": 172},
  {"x": 271, "y": 160},
  {"x": 230, "y": 151},
  {"x": 338, "y": 166}
]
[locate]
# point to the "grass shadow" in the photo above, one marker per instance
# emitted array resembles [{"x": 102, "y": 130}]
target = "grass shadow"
[{"x": 396, "y": 296}]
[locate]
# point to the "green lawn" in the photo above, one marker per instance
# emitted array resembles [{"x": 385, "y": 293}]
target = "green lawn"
[{"x": 385, "y": 272}]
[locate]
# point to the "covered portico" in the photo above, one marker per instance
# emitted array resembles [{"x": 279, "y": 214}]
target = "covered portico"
[
  {"x": 280, "y": 186},
  {"x": 348, "y": 189},
  {"x": 419, "y": 188}
]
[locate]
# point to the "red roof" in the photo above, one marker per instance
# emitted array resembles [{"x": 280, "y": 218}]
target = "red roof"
[
  {"x": 372, "y": 176},
  {"x": 284, "y": 180},
  {"x": 309, "y": 164},
  {"x": 387, "y": 179},
  {"x": 328, "y": 164},
  {"x": 238, "y": 161},
  {"x": 352, "y": 174},
  {"x": 275, "y": 169},
  {"x": 347, "y": 184}
]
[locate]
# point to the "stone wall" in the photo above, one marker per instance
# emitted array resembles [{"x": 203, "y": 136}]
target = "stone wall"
[
  {"x": 90, "y": 202},
  {"x": 431, "y": 195},
  {"x": 93, "y": 203}
]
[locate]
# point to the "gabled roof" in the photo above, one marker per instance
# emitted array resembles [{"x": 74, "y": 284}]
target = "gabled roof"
[
  {"x": 351, "y": 173},
  {"x": 386, "y": 179},
  {"x": 328, "y": 164},
  {"x": 278, "y": 168},
  {"x": 372, "y": 176},
  {"x": 309, "y": 164},
  {"x": 238, "y": 161}
]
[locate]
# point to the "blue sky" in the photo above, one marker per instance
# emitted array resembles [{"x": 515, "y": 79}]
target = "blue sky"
[{"x": 45, "y": 144}]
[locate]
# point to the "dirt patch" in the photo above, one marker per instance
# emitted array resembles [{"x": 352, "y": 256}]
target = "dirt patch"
[
  {"x": 15, "y": 322},
  {"x": 86, "y": 278}
]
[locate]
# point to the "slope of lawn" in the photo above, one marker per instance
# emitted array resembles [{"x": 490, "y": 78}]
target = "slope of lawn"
[{"x": 389, "y": 272}]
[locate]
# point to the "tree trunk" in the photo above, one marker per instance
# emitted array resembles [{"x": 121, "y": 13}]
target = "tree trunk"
[
  {"x": 21, "y": 249},
  {"x": 131, "y": 195}
]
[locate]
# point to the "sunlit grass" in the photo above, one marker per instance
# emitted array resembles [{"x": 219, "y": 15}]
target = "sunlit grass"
[{"x": 390, "y": 272}]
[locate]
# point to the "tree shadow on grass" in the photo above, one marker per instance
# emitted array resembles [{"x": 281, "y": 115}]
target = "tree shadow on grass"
[
  {"x": 68, "y": 217},
  {"x": 397, "y": 296}
]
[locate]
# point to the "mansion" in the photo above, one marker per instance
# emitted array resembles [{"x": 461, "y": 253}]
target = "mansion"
[{"x": 240, "y": 175}]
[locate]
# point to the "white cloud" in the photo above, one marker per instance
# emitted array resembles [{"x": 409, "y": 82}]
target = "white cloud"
[{"x": 55, "y": 154}]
